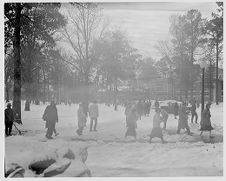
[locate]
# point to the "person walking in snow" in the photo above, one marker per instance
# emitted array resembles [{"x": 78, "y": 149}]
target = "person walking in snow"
[
  {"x": 205, "y": 120},
  {"x": 156, "y": 130},
  {"x": 147, "y": 108},
  {"x": 81, "y": 119},
  {"x": 131, "y": 122},
  {"x": 9, "y": 118},
  {"x": 51, "y": 117},
  {"x": 93, "y": 114},
  {"x": 193, "y": 112},
  {"x": 175, "y": 110},
  {"x": 164, "y": 117},
  {"x": 139, "y": 108},
  {"x": 183, "y": 119}
]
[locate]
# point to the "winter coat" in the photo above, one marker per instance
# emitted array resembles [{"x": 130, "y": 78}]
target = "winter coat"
[
  {"x": 205, "y": 120},
  {"x": 193, "y": 108},
  {"x": 93, "y": 111},
  {"x": 85, "y": 106},
  {"x": 183, "y": 118},
  {"x": 131, "y": 119},
  {"x": 140, "y": 108},
  {"x": 164, "y": 115},
  {"x": 50, "y": 116},
  {"x": 81, "y": 118},
  {"x": 176, "y": 108},
  {"x": 156, "y": 103},
  {"x": 9, "y": 115},
  {"x": 156, "y": 130},
  {"x": 131, "y": 123},
  {"x": 156, "y": 121}
]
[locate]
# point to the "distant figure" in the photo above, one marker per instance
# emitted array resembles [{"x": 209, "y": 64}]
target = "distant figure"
[
  {"x": 194, "y": 113},
  {"x": 51, "y": 117},
  {"x": 156, "y": 104},
  {"x": 81, "y": 119},
  {"x": 183, "y": 119},
  {"x": 149, "y": 107},
  {"x": 93, "y": 114},
  {"x": 146, "y": 108},
  {"x": 205, "y": 120},
  {"x": 131, "y": 122},
  {"x": 164, "y": 117},
  {"x": 139, "y": 108},
  {"x": 85, "y": 106},
  {"x": 175, "y": 110},
  {"x": 9, "y": 118},
  {"x": 156, "y": 130}
]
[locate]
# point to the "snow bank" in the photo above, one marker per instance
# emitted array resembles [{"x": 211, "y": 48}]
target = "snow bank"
[{"x": 112, "y": 155}]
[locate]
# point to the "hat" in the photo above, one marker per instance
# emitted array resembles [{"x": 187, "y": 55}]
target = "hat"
[{"x": 9, "y": 104}]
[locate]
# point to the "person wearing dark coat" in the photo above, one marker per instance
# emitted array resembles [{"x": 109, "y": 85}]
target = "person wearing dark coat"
[
  {"x": 156, "y": 130},
  {"x": 175, "y": 110},
  {"x": 156, "y": 104},
  {"x": 51, "y": 117},
  {"x": 183, "y": 119},
  {"x": 194, "y": 113},
  {"x": 9, "y": 118},
  {"x": 149, "y": 107},
  {"x": 139, "y": 108},
  {"x": 205, "y": 120},
  {"x": 131, "y": 121},
  {"x": 85, "y": 106}
]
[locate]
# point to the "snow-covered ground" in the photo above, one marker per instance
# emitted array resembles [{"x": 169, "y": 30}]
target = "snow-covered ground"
[{"x": 110, "y": 154}]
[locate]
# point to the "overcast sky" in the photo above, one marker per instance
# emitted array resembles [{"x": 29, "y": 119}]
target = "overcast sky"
[{"x": 147, "y": 23}]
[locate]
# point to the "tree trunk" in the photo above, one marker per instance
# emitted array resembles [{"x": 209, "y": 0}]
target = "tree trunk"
[
  {"x": 17, "y": 66},
  {"x": 28, "y": 97},
  {"x": 210, "y": 82},
  {"x": 217, "y": 47},
  {"x": 7, "y": 92}
]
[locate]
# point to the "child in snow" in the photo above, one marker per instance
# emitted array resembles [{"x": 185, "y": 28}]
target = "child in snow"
[
  {"x": 131, "y": 122},
  {"x": 156, "y": 130},
  {"x": 81, "y": 120},
  {"x": 205, "y": 120}
]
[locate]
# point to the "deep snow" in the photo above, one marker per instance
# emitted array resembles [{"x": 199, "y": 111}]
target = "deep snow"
[{"x": 110, "y": 154}]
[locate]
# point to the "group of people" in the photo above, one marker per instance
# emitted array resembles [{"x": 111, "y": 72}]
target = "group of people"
[
  {"x": 133, "y": 112},
  {"x": 161, "y": 115},
  {"x": 143, "y": 108},
  {"x": 83, "y": 111},
  {"x": 132, "y": 115},
  {"x": 50, "y": 116}
]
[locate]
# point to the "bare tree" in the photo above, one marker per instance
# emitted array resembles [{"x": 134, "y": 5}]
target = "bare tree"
[{"x": 83, "y": 21}]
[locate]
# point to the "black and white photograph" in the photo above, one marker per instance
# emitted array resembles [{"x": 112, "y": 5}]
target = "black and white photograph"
[{"x": 112, "y": 89}]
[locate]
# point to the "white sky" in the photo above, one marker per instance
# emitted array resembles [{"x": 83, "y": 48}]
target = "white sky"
[{"x": 147, "y": 23}]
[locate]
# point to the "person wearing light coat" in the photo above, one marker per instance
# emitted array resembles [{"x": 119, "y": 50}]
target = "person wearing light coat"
[
  {"x": 93, "y": 114},
  {"x": 81, "y": 119}
]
